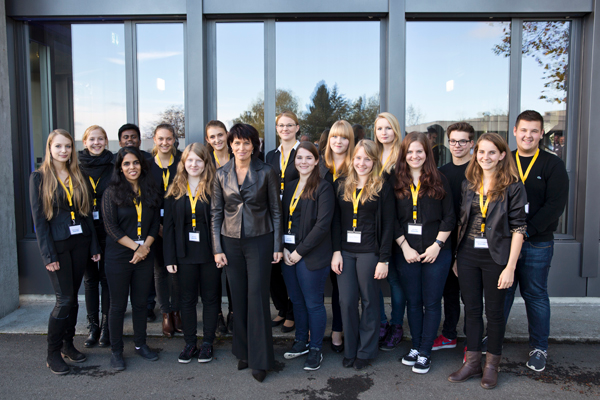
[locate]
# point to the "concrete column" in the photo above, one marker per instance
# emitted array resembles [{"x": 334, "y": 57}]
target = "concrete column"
[{"x": 9, "y": 270}]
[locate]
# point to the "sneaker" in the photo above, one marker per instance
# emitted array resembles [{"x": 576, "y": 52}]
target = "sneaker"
[
  {"x": 189, "y": 351},
  {"x": 411, "y": 357},
  {"x": 206, "y": 353},
  {"x": 422, "y": 365},
  {"x": 313, "y": 362},
  {"x": 116, "y": 361},
  {"x": 484, "y": 345},
  {"x": 442, "y": 342},
  {"x": 537, "y": 360},
  {"x": 393, "y": 338},
  {"x": 145, "y": 352},
  {"x": 384, "y": 328},
  {"x": 298, "y": 348},
  {"x": 221, "y": 326}
]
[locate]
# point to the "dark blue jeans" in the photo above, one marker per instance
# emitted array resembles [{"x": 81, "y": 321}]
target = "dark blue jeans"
[
  {"x": 306, "y": 288},
  {"x": 531, "y": 274},
  {"x": 397, "y": 295},
  {"x": 423, "y": 285}
]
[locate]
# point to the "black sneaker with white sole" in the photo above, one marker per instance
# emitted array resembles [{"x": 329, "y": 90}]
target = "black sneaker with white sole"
[
  {"x": 422, "y": 365},
  {"x": 299, "y": 348},
  {"x": 206, "y": 353},
  {"x": 313, "y": 362},
  {"x": 411, "y": 357},
  {"x": 537, "y": 360},
  {"x": 189, "y": 351}
]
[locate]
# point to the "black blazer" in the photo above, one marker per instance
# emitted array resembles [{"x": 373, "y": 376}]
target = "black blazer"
[
  {"x": 47, "y": 232},
  {"x": 257, "y": 203},
  {"x": 314, "y": 239},
  {"x": 324, "y": 172},
  {"x": 174, "y": 232},
  {"x": 273, "y": 158},
  {"x": 502, "y": 218}
]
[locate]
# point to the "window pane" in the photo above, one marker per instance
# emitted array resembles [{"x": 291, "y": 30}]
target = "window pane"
[
  {"x": 98, "y": 53},
  {"x": 323, "y": 81},
  {"x": 240, "y": 74},
  {"x": 160, "y": 79},
  {"x": 457, "y": 71}
]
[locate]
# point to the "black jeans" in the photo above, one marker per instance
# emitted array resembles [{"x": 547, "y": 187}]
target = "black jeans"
[
  {"x": 167, "y": 287},
  {"x": 478, "y": 274},
  {"x": 208, "y": 276},
  {"x": 451, "y": 305},
  {"x": 94, "y": 277},
  {"x": 125, "y": 279}
]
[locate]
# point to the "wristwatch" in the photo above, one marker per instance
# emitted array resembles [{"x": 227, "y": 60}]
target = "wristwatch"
[{"x": 440, "y": 243}]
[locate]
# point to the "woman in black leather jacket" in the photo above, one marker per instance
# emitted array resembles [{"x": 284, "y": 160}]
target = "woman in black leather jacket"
[
  {"x": 490, "y": 234},
  {"x": 247, "y": 239}
]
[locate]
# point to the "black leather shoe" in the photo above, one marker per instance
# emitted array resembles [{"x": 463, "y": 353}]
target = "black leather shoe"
[
  {"x": 259, "y": 374},
  {"x": 360, "y": 363},
  {"x": 348, "y": 362},
  {"x": 116, "y": 361},
  {"x": 285, "y": 329},
  {"x": 147, "y": 354},
  {"x": 242, "y": 364},
  {"x": 337, "y": 348},
  {"x": 150, "y": 316},
  {"x": 94, "y": 331},
  {"x": 277, "y": 323}
]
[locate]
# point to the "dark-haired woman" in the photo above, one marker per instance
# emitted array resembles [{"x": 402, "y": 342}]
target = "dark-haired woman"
[
  {"x": 424, "y": 219},
  {"x": 164, "y": 168},
  {"x": 362, "y": 243},
  {"x": 247, "y": 239},
  {"x": 491, "y": 230},
  {"x": 188, "y": 252},
  {"x": 130, "y": 207},
  {"x": 60, "y": 206},
  {"x": 97, "y": 167},
  {"x": 308, "y": 205}
]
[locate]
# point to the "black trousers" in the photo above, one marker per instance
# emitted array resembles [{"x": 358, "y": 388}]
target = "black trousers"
[
  {"x": 451, "y": 305},
  {"x": 208, "y": 277},
  {"x": 249, "y": 274},
  {"x": 93, "y": 279},
  {"x": 167, "y": 287},
  {"x": 279, "y": 294},
  {"x": 336, "y": 323},
  {"x": 478, "y": 275},
  {"x": 124, "y": 280}
]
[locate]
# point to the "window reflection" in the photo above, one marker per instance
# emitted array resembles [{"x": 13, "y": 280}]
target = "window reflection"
[{"x": 454, "y": 73}]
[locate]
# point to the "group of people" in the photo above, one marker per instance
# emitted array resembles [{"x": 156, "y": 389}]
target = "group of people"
[{"x": 356, "y": 212}]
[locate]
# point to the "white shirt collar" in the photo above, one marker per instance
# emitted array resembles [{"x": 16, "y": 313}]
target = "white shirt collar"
[{"x": 295, "y": 146}]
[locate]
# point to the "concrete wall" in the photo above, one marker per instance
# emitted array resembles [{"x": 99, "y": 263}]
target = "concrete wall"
[{"x": 9, "y": 271}]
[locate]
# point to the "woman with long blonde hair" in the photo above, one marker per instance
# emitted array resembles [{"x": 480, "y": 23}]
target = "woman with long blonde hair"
[
  {"x": 188, "y": 254},
  {"x": 362, "y": 244},
  {"x": 60, "y": 207}
]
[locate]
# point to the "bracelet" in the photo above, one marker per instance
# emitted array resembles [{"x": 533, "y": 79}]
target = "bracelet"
[
  {"x": 400, "y": 245},
  {"x": 136, "y": 249}
]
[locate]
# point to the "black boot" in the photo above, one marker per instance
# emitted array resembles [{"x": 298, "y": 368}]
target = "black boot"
[
  {"x": 68, "y": 349},
  {"x": 104, "y": 333},
  {"x": 94, "y": 331},
  {"x": 56, "y": 332}
]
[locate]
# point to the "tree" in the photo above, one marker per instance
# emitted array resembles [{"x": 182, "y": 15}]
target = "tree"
[
  {"x": 320, "y": 115},
  {"x": 174, "y": 115},
  {"x": 284, "y": 101},
  {"x": 414, "y": 116},
  {"x": 364, "y": 111}
]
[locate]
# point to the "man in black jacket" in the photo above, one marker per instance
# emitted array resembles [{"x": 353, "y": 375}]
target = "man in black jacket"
[
  {"x": 547, "y": 183},
  {"x": 129, "y": 135}
]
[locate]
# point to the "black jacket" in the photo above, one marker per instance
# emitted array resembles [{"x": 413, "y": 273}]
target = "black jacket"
[
  {"x": 314, "y": 239},
  {"x": 47, "y": 232},
  {"x": 502, "y": 217},
  {"x": 257, "y": 203},
  {"x": 324, "y": 172},
  {"x": 273, "y": 158},
  {"x": 100, "y": 169}
]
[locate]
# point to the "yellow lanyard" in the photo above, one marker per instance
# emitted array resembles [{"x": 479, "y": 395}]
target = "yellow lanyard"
[
  {"x": 193, "y": 201},
  {"x": 69, "y": 193},
  {"x": 284, "y": 163},
  {"x": 217, "y": 158},
  {"x": 165, "y": 176},
  {"x": 293, "y": 205},
  {"x": 524, "y": 177},
  {"x": 415, "y": 198},
  {"x": 138, "y": 209},
  {"x": 94, "y": 186},
  {"x": 355, "y": 200},
  {"x": 484, "y": 208},
  {"x": 385, "y": 164},
  {"x": 334, "y": 173}
]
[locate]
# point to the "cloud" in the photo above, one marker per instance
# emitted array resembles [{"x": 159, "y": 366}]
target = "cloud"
[
  {"x": 485, "y": 30},
  {"x": 116, "y": 61},
  {"x": 155, "y": 55}
]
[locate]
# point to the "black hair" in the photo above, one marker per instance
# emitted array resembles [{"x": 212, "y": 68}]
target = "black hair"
[
  {"x": 123, "y": 193},
  {"x": 247, "y": 132},
  {"x": 127, "y": 127}
]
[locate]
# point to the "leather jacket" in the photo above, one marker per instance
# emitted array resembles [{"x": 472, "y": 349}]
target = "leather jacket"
[{"x": 256, "y": 204}]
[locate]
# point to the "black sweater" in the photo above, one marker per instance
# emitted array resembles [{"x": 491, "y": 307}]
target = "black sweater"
[
  {"x": 100, "y": 169},
  {"x": 157, "y": 174}
]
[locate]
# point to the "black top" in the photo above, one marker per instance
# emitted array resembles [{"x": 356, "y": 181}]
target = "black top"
[
  {"x": 147, "y": 156},
  {"x": 434, "y": 215},
  {"x": 547, "y": 188},
  {"x": 324, "y": 172},
  {"x": 157, "y": 174},
  {"x": 100, "y": 169},
  {"x": 122, "y": 221},
  {"x": 455, "y": 175},
  {"x": 274, "y": 159},
  {"x": 365, "y": 224},
  {"x": 475, "y": 220}
]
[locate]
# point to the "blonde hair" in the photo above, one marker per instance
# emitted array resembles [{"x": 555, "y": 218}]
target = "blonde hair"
[
  {"x": 374, "y": 181},
  {"x": 344, "y": 129},
  {"x": 178, "y": 188},
  {"x": 49, "y": 185},
  {"x": 393, "y": 121},
  {"x": 91, "y": 129}
]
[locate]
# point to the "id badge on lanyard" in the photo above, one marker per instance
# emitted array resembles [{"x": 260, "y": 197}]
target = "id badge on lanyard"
[
  {"x": 75, "y": 229},
  {"x": 415, "y": 229},
  {"x": 481, "y": 242},
  {"x": 96, "y": 214},
  {"x": 353, "y": 237},
  {"x": 289, "y": 239},
  {"x": 195, "y": 237}
]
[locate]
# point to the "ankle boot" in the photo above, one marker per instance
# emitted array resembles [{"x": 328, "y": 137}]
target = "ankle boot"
[
  {"x": 104, "y": 332},
  {"x": 68, "y": 350},
  {"x": 56, "y": 332},
  {"x": 177, "y": 323},
  {"x": 490, "y": 371},
  {"x": 94, "y": 331},
  {"x": 167, "y": 325},
  {"x": 471, "y": 368},
  {"x": 55, "y": 362}
]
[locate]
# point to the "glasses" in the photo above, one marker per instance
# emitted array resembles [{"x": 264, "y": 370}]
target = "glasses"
[
  {"x": 461, "y": 143},
  {"x": 289, "y": 126}
]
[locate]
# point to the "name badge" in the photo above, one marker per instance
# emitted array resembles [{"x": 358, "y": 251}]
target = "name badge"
[
  {"x": 527, "y": 208},
  {"x": 75, "y": 229},
  {"x": 481, "y": 243},
  {"x": 289, "y": 239},
  {"x": 140, "y": 242},
  {"x": 415, "y": 229},
  {"x": 162, "y": 212},
  {"x": 194, "y": 236},
  {"x": 280, "y": 197},
  {"x": 96, "y": 214},
  {"x": 353, "y": 237}
]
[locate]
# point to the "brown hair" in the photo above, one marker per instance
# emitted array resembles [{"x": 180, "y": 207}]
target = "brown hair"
[
  {"x": 314, "y": 179},
  {"x": 168, "y": 127},
  {"x": 374, "y": 181},
  {"x": 393, "y": 121},
  {"x": 179, "y": 186},
  {"x": 344, "y": 129},
  {"x": 215, "y": 123},
  {"x": 530, "y": 115},
  {"x": 431, "y": 180},
  {"x": 462, "y": 127},
  {"x": 289, "y": 114}
]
